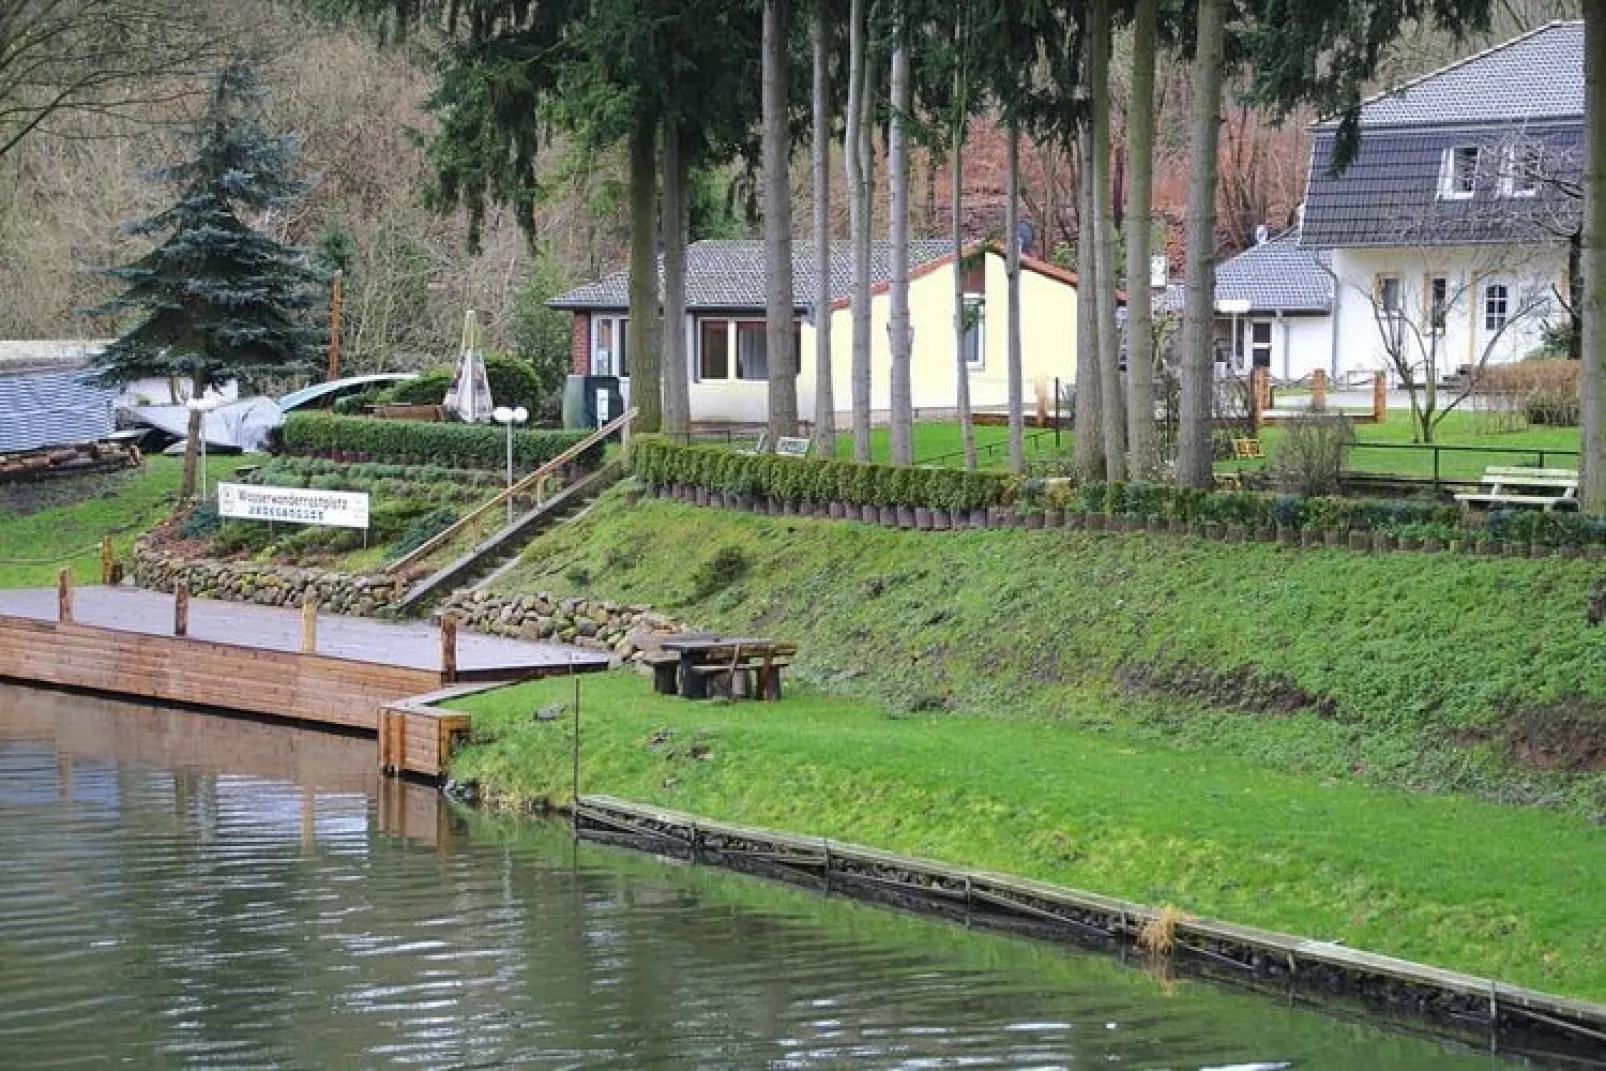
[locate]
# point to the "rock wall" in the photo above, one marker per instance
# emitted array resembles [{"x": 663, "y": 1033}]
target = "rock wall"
[
  {"x": 621, "y": 630},
  {"x": 359, "y": 595},
  {"x": 66, "y": 460}
]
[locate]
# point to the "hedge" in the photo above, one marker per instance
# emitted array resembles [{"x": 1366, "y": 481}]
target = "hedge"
[
  {"x": 420, "y": 442},
  {"x": 663, "y": 464}
]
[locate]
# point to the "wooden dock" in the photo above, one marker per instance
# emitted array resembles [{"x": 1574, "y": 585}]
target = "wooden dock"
[{"x": 351, "y": 673}]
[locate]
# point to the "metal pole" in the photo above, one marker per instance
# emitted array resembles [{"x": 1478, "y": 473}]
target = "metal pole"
[
  {"x": 575, "y": 783},
  {"x": 1435, "y": 469},
  {"x": 510, "y": 470},
  {"x": 203, "y": 456}
]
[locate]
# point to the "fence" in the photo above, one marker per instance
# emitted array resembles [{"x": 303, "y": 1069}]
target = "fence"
[{"x": 1532, "y": 455}]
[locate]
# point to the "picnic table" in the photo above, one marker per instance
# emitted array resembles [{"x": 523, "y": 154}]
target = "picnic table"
[
  {"x": 1511, "y": 486},
  {"x": 735, "y": 666}
]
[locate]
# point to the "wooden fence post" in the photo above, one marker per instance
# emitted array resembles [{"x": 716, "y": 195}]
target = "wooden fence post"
[
  {"x": 64, "y": 594},
  {"x": 108, "y": 560},
  {"x": 449, "y": 649},
  {"x": 1380, "y": 398},
  {"x": 309, "y": 625},
  {"x": 1318, "y": 390},
  {"x": 181, "y": 609}
]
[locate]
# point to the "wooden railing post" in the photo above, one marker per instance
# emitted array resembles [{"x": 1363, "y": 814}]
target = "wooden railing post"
[
  {"x": 449, "y": 649},
  {"x": 108, "y": 560},
  {"x": 309, "y": 625},
  {"x": 64, "y": 594},
  {"x": 1318, "y": 390},
  {"x": 181, "y": 609}
]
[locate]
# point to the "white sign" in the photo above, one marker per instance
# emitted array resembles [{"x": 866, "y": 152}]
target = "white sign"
[{"x": 294, "y": 505}]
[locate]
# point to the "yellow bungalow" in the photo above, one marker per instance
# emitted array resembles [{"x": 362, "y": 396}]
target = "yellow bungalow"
[{"x": 725, "y": 342}]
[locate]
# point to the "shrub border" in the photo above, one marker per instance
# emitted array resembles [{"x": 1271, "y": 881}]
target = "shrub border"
[{"x": 369, "y": 439}]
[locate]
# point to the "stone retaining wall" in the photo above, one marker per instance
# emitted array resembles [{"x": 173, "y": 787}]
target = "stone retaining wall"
[
  {"x": 624, "y": 631},
  {"x": 356, "y": 594}
]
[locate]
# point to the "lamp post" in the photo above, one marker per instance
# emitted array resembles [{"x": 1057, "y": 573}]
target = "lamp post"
[
  {"x": 202, "y": 405},
  {"x": 507, "y": 418}
]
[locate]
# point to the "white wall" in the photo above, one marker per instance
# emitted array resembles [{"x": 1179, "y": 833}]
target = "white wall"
[
  {"x": 1529, "y": 274},
  {"x": 1299, "y": 344}
]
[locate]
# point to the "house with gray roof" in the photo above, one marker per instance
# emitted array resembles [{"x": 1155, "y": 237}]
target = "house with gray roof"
[
  {"x": 1274, "y": 307},
  {"x": 728, "y": 365},
  {"x": 1446, "y": 237}
]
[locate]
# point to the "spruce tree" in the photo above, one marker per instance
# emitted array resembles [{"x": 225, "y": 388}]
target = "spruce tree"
[{"x": 218, "y": 299}]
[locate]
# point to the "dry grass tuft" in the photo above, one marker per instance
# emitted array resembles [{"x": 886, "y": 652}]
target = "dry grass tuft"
[{"x": 1159, "y": 934}]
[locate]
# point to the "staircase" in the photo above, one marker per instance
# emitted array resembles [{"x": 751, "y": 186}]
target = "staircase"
[{"x": 500, "y": 550}]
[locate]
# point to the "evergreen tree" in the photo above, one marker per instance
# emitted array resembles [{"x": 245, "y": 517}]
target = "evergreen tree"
[{"x": 218, "y": 297}]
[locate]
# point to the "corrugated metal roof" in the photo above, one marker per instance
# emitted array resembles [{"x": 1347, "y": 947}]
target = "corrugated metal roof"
[
  {"x": 41, "y": 409},
  {"x": 1539, "y": 75},
  {"x": 730, "y": 274},
  {"x": 1278, "y": 275}
]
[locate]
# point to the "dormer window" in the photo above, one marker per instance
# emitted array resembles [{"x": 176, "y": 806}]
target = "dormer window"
[
  {"x": 1458, "y": 175},
  {"x": 1524, "y": 166}
]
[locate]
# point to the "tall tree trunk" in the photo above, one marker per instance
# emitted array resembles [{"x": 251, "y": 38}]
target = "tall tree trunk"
[
  {"x": 901, "y": 393},
  {"x": 1195, "y": 460},
  {"x": 1142, "y": 449},
  {"x": 824, "y": 392},
  {"x": 1593, "y": 386},
  {"x": 1017, "y": 415},
  {"x": 192, "y": 442},
  {"x": 855, "y": 154},
  {"x": 676, "y": 369},
  {"x": 646, "y": 387},
  {"x": 1110, "y": 394},
  {"x": 956, "y": 191},
  {"x": 780, "y": 331},
  {"x": 1089, "y": 439}
]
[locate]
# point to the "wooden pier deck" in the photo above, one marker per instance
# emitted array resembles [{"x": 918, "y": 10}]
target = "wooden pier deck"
[{"x": 360, "y": 674}]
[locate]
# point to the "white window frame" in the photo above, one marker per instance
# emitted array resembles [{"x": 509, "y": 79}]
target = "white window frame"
[
  {"x": 1521, "y": 180},
  {"x": 1268, "y": 346},
  {"x": 1380, "y": 291},
  {"x": 1505, "y": 304},
  {"x": 978, "y": 302},
  {"x": 619, "y": 322},
  {"x": 1448, "y": 188},
  {"x": 731, "y": 323},
  {"x": 1437, "y": 312}
]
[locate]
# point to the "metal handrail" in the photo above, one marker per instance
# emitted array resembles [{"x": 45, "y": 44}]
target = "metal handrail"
[
  {"x": 620, "y": 424},
  {"x": 986, "y": 450}
]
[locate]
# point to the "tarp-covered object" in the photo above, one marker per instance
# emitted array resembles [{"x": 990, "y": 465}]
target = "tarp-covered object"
[
  {"x": 242, "y": 425},
  {"x": 40, "y": 409},
  {"x": 470, "y": 393}
]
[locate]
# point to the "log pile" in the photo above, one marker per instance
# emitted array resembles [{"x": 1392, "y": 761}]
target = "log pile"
[{"x": 68, "y": 461}]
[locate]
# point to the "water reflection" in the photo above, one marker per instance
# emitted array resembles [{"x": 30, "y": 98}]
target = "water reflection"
[{"x": 183, "y": 890}]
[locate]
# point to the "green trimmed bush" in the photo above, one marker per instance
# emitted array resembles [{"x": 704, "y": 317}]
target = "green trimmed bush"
[{"x": 415, "y": 442}]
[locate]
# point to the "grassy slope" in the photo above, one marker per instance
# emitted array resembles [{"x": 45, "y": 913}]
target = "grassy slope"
[
  {"x": 35, "y": 544},
  {"x": 1444, "y": 879}
]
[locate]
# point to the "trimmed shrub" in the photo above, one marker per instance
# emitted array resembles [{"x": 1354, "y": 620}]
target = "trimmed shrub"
[
  {"x": 410, "y": 441},
  {"x": 1310, "y": 457}
]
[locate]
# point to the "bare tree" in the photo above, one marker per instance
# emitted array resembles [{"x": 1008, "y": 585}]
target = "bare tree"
[
  {"x": 898, "y": 328},
  {"x": 646, "y": 385},
  {"x": 1195, "y": 457},
  {"x": 960, "y": 118},
  {"x": 780, "y": 343},
  {"x": 1089, "y": 413},
  {"x": 676, "y": 372},
  {"x": 62, "y": 58},
  {"x": 1017, "y": 417},
  {"x": 1113, "y": 409},
  {"x": 857, "y": 158},
  {"x": 1142, "y": 452},
  {"x": 1593, "y": 384},
  {"x": 824, "y": 394}
]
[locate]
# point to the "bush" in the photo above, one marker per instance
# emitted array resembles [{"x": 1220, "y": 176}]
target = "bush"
[
  {"x": 410, "y": 441},
  {"x": 726, "y": 567},
  {"x": 202, "y": 522},
  {"x": 1310, "y": 457},
  {"x": 1546, "y": 390},
  {"x": 428, "y": 388},
  {"x": 422, "y": 531}
]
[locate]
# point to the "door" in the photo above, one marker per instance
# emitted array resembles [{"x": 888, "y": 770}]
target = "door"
[
  {"x": 1496, "y": 305},
  {"x": 1260, "y": 344}
]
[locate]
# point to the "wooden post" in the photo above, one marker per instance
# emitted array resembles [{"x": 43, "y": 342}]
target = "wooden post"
[
  {"x": 449, "y": 649},
  {"x": 1380, "y": 398},
  {"x": 181, "y": 609},
  {"x": 1259, "y": 382},
  {"x": 334, "y": 328},
  {"x": 108, "y": 560},
  {"x": 1318, "y": 390},
  {"x": 64, "y": 594},
  {"x": 309, "y": 625}
]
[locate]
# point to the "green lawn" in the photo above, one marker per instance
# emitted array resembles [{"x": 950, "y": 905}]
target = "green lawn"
[
  {"x": 1442, "y": 879},
  {"x": 52, "y": 523},
  {"x": 939, "y": 442}
]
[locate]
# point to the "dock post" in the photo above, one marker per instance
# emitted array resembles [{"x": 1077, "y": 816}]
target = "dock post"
[
  {"x": 181, "y": 609},
  {"x": 64, "y": 595},
  {"x": 108, "y": 560},
  {"x": 449, "y": 649},
  {"x": 309, "y": 625}
]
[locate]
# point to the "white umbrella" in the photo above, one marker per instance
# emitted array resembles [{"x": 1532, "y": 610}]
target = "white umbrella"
[{"x": 470, "y": 394}]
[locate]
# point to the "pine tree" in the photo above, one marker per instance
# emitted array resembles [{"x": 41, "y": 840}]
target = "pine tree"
[{"x": 218, "y": 297}]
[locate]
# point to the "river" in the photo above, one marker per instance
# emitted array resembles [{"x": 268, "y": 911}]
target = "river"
[{"x": 186, "y": 890}]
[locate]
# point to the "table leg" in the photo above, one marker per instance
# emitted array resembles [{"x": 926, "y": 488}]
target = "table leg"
[{"x": 692, "y": 685}]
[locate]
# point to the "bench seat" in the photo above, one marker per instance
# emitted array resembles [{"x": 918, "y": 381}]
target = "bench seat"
[{"x": 1503, "y": 485}]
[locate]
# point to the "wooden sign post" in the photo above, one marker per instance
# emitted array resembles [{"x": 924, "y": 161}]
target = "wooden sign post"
[
  {"x": 181, "y": 609},
  {"x": 449, "y": 649},
  {"x": 309, "y": 625}
]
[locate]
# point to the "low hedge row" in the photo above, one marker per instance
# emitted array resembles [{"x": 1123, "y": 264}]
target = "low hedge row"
[
  {"x": 662, "y": 464},
  {"x": 788, "y": 479},
  {"x": 420, "y": 442}
]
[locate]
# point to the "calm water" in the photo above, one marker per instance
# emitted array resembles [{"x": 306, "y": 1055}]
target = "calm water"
[{"x": 179, "y": 890}]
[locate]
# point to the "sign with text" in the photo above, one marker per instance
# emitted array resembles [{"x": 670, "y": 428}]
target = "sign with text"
[{"x": 294, "y": 505}]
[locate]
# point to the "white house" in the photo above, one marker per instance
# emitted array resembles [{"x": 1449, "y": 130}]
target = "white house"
[{"x": 1445, "y": 241}]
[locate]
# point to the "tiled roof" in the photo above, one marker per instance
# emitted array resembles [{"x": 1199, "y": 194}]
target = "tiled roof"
[
  {"x": 731, "y": 275},
  {"x": 1278, "y": 276},
  {"x": 1539, "y": 75}
]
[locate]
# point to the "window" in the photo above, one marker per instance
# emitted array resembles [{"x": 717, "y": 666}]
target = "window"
[
  {"x": 1438, "y": 302},
  {"x": 1524, "y": 166},
  {"x": 1458, "y": 175},
  {"x": 975, "y": 332},
  {"x": 1387, "y": 293},
  {"x": 1496, "y": 306},
  {"x": 1260, "y": 344},
  {"x": 738, "y": 349},
  {"x": 609, "y": 335},
  {"x": 713, "y": 350},
  {"x": 751, "y": 359}
]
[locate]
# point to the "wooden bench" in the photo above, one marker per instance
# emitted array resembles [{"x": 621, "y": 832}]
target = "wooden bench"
[
  {"x": 738, "y": 672},
  {"x": 665, "y": 668},
  {"x": 1509, "y": 485},
  {"x": 1246, "y": 449}
]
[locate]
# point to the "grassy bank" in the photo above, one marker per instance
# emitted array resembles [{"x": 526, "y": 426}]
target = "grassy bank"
[
  {"x": 1429, "y": 672},
  {"x": 1444, "y": 879},
  {"x": 50, "y": 523}
]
